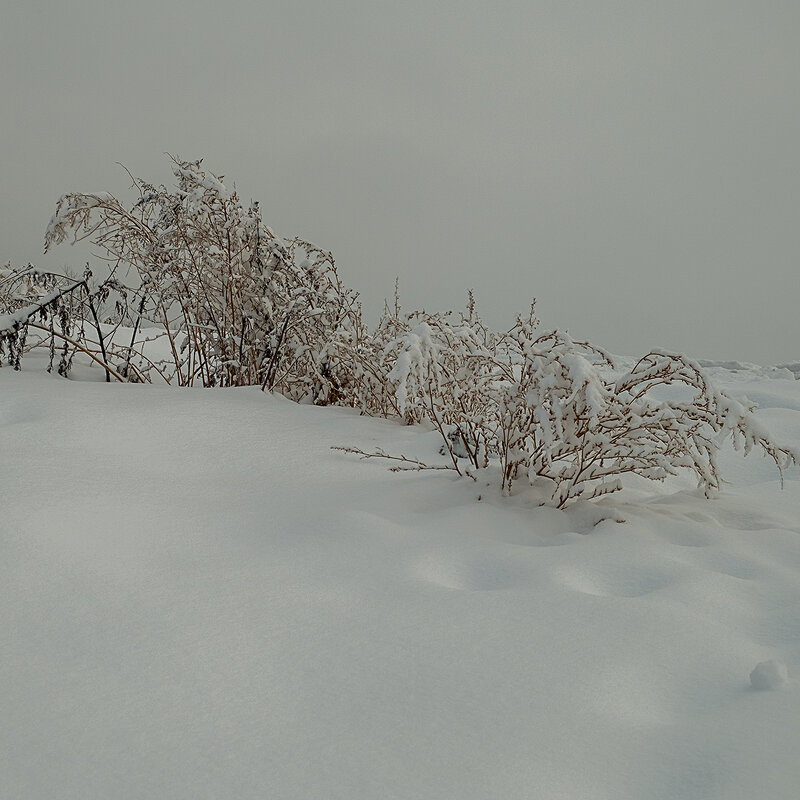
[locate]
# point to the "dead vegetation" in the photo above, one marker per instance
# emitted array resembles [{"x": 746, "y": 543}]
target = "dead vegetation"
[{"x": 200, "y": 292}]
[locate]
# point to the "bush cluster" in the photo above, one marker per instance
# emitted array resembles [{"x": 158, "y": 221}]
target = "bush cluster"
[{"x": 199, "y": 291}]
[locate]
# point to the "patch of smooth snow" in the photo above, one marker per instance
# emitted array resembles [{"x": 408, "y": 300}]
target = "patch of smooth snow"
[{"x": 202, "y": 600}]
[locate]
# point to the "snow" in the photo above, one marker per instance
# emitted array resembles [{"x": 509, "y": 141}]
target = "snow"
[
  {"x": 769, "y": 675},
  {"x": 202, "y": 600}
]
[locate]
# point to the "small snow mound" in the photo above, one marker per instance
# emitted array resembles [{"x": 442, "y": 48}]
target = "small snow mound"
[
  {"x": 769, "y": 675},
  {"x": 793, "y": 368}
]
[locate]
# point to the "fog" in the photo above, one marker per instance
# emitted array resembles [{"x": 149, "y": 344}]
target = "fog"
[{"x": 632, "y": 165}]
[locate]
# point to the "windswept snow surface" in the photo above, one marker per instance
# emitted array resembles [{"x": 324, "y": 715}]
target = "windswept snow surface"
[{"x": 200, "y": 599}]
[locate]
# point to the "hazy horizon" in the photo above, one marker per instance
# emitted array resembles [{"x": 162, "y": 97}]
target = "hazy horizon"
[{"x": 632, "y": 165}]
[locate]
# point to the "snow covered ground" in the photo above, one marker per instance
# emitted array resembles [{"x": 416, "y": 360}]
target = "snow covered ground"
[{"x": 200, "y": 599}]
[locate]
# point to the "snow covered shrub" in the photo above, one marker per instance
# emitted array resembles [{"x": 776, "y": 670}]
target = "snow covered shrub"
[
  {"x": 556, "y": 411},
  {"x": 431, "y": 367},
  {"x": 238, "y": 304},
  {"x": 24, "y": 295},
  {"x": 57, "y": 308},
  {"x": 566, "y": 419}
]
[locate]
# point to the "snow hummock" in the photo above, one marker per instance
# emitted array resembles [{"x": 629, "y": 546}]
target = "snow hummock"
[
  {"x": 769, "y": 675},
  {"x": 202, "y": 600}
]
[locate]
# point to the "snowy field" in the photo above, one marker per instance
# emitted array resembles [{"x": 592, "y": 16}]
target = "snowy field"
[{"x": 200, "y": 599}]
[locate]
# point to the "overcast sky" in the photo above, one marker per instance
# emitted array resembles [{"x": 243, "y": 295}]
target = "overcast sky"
[{"x": 635, "y": 166}]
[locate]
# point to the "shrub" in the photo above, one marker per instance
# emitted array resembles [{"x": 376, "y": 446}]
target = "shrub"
[
  {"x": 58, "y": 308},
  {"x": 557, "y": 412},
  {"x": 237, "y": 304},
  {"x": 566, "y": 419}
]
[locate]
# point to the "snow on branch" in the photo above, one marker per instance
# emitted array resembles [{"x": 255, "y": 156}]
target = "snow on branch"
[
  {"x": 238, "y": 304},
  {"x": 555, "y": 412}
]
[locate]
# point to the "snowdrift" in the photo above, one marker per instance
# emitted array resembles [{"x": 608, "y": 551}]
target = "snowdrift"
[{"x": 202, "y": 600}]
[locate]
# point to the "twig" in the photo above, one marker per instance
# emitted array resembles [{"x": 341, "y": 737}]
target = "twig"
[
  {"x": 416, "y": 464},
  {"x": 80, "y": 347}
]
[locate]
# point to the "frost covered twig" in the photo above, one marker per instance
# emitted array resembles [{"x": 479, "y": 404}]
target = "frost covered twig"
[
  {"x": 411, "y": 463},
  {"x": 78, "y": 346}
]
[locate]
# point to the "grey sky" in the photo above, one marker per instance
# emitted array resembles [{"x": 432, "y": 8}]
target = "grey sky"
[{"x": 633, "y": 165}]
